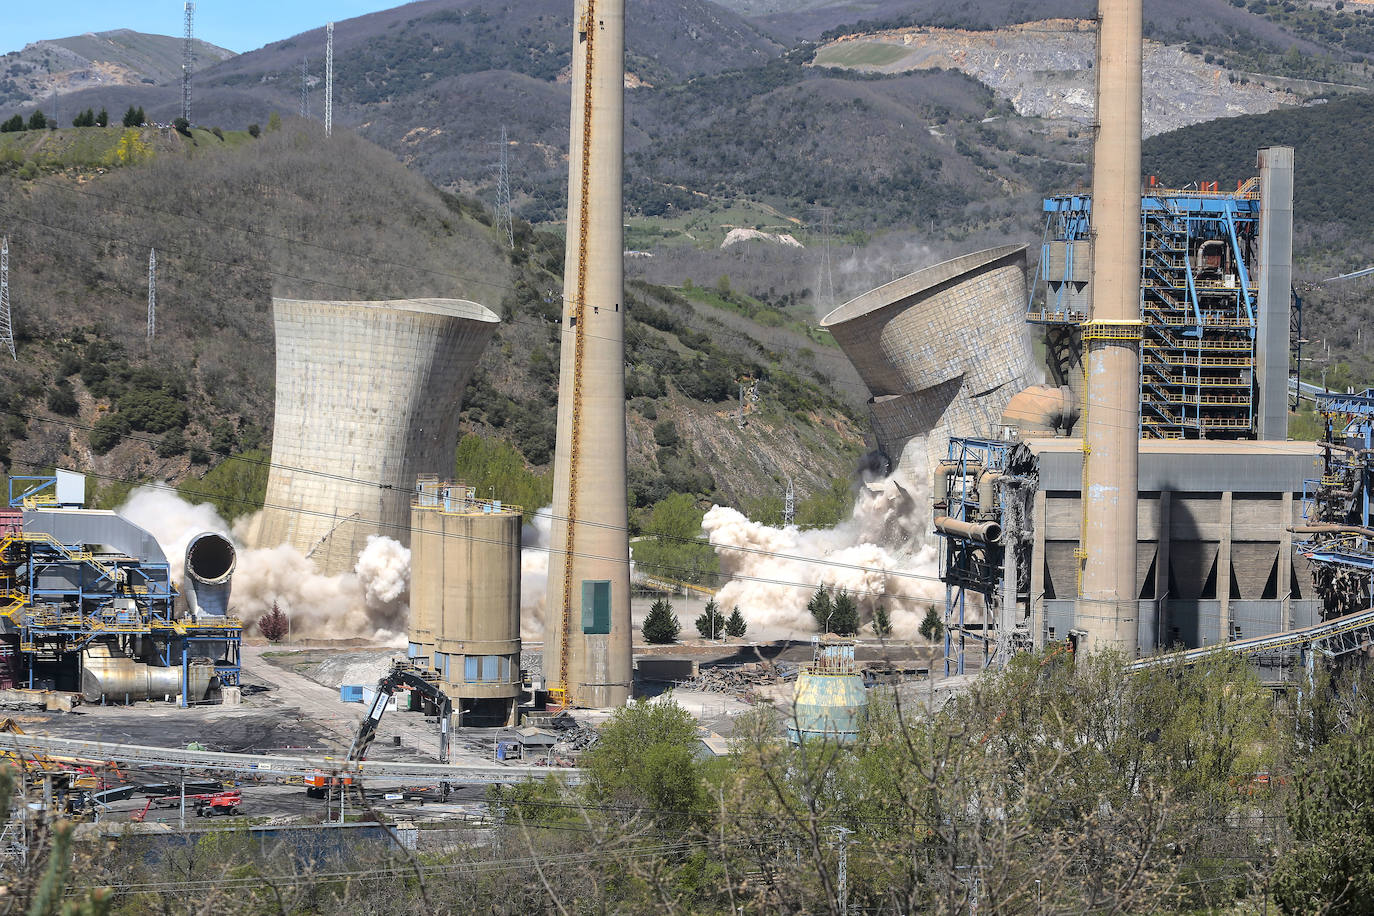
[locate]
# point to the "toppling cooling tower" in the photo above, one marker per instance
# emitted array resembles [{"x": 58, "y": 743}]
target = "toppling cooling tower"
[
  {"x": 210, "y": 560},
  {"x": 368, "y": 395},
  {"x": 941, "y": 350}
]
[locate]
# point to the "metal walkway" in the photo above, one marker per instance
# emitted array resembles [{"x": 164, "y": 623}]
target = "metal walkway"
[
  {"x": 1339, "y": 636},
  {"x": 96, "y": 752}
]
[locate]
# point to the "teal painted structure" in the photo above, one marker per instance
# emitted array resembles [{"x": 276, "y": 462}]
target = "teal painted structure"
[{"x": 829, "y": 701}]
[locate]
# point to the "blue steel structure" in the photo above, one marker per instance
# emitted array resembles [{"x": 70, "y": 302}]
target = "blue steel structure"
[
  {"x": 1339, "y": 529},
  {"x": 1198, "y": 303},
  {"x": 56, "y": 599},
  {"x": 971, "y": 519}
]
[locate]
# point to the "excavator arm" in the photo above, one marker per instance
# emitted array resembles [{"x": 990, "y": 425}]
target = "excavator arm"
[{"x": 401, "y": 675}]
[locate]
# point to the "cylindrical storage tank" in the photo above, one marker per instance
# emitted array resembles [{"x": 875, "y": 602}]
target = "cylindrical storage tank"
[
  {"x": 827, "y": 705},
  {"x": 465, "y": 596},
  {"x": 210, "y": 561},
  {"x": 116, "y": 678},
  {"x": 829, "y": 699},
  {"x": 941, "y": 349},
  {"x": 367, "y": 400}
]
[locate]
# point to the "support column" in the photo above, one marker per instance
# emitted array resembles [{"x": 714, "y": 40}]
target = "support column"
[
  {"x": 1275, "y": 293},
  {"x": 1108, "y": 599},
  {"x": 1224, "y": 571},
  {"x": 1285, "y": 583},
  {"x": 1037, "y": 571},
  {"x": 1163, "y": 636}
]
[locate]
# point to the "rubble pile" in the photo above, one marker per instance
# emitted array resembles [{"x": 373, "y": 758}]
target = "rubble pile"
[{"x": 740, "y": 680}]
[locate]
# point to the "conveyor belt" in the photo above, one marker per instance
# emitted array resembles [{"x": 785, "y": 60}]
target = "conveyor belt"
[
  {"x": 1288, "y": 639},
  {"x": 96, "y": 752}
]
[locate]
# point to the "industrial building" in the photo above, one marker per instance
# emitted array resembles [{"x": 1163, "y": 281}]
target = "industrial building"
[
  {"x": 465, "y": 599},
  {"x": 1215, "y": 278},
  {"x": 87, "y": 603},
  {"x": 367, "y": 399},
  {"x": 587, "y": 641},
  {"x": 942, "y": 351}
]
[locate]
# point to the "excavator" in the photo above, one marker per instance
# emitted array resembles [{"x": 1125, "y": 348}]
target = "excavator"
[{"x": 402, "y": 674}]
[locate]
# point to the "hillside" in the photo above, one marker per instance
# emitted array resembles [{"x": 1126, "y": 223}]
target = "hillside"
[
  {"x": 121, "y": 57},
  {"x": 237, "y": 220}
]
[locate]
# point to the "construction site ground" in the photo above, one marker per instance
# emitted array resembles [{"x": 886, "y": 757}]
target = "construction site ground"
[{"x": 290, "y": 705}]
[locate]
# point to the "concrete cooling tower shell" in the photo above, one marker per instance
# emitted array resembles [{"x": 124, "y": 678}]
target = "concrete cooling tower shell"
[
  {"x": 368, "y": 395},
  {"x": 942, "y": 350}
]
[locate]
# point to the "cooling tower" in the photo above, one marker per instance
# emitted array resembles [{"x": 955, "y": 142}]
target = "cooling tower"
[
  {"x": 587, "y": 630},
  {"x": 465, "y": 599},
  {"x": 368, "y": 395},
  {"x": 941, "y": 350}
]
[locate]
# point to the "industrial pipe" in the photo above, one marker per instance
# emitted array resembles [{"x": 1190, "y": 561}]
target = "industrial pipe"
[
  {"x": 982, "y": 532},
  {"x": 210, "y": 561},
  {"x": 119, "y": 679},
  {"x": 1332, "y": 529},
  {"x": 1042, "y": 408},
  {"x": 943, "y": 472},
  {"x": 987, "y": 492}
]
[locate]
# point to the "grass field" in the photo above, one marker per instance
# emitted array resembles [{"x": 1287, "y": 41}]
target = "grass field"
[{"x": 860, "y": 54}]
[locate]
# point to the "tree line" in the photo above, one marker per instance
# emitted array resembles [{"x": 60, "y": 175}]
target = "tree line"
[{"x": 134, "y": 117}]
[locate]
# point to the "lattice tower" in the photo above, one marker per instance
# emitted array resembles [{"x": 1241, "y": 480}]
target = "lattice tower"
[
  {"x": 186, "y": 58},
  {"x": 329, "y": 79}
]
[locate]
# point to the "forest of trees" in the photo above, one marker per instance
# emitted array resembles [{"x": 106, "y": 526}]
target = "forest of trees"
[{"x": 1059, "y": 785}]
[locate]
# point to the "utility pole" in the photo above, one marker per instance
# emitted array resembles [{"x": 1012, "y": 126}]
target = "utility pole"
[
  {"x": 789, "y": 505},
  {"x": 329, "y": 80},
  {"x": 186, "y": 57},
  {"x": 152, "y": 295},
  {"x": 305, "y": 87},
  {"x": 6, "y": 328},
  {"x": 825, "y": 290},
  {"x": 503, "y": 214},
  {"x": 842, "y": 879}
]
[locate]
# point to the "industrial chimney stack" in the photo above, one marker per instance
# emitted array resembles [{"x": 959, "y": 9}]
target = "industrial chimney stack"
[
  {"x": 587, "y": 646},
  {"x": 1107, "y": 600}
]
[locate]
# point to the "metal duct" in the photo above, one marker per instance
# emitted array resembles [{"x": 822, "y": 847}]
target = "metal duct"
[
  {"x": 1042, "y": 409},
  {"x": 210, "y": 561},
  {"x": 982, "y": 532},
  {"x": 119, "y": 679}
]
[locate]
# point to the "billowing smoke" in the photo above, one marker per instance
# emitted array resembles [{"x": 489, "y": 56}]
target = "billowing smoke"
[
  {"x": 881, "y": 554},
  {"x": 534, "y": 573},
  {"x": 368, "y": 603}
]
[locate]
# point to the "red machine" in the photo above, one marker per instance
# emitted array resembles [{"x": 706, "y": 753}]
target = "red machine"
[{"x": 218, "y": 803}]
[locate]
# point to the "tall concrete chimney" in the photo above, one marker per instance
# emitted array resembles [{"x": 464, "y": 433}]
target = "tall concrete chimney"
[
  {"x": 587, "y": 630},
  {"x": 1107, "y": 607}
]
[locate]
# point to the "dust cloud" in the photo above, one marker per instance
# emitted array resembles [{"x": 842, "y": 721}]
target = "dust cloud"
[
  {"x": 534, "y": 573},
  {"x": 368, "y": 603},
  {"x": 881, "y": 554}
]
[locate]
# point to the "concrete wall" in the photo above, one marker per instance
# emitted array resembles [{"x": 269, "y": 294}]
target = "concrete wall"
[
  {"x": 367, "y": 399},
  {"x": 1214, "y": 557},
  {"x": 941, "y": 350}
]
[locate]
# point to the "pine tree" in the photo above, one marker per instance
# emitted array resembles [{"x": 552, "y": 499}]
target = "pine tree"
[
  {"x": 844, "y": 615},
  {"x": 102, "y": 119},
  {"x": 37, "y": 121},
  {"x": 735, "y": 626},
  {"x": 711, "y": 623},
  {"x": 932, "y": 627},
  {"x": 820, "y": 608},
  {"x": 14, "y": 124},
  {"x": 882, "y": 624},
  {"x": 131, "y": 117},
  {"x": 661, "y": 626}
]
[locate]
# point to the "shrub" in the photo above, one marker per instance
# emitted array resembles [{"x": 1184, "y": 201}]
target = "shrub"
[
  {"x": 711, "y": 622},
  {"x": 882, "y": 623},
  {"x": 13, "y": 125},
  {"x": 107, "y": 432},
  {"x": 62, "y": 401},
  {"x": 183, "y": 126},
  {"x": 273, "y": 625},
  {"x": 254, "y": 131},
  {"x": 661, "y": 626},
  {"x": 173, "y": 443},
  {"x": 735, "y": 627}
]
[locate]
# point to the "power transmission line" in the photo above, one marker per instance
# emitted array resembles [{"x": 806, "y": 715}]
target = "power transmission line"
[
  {"x": 187, "y": 50},
  {"x": 305, "y": 87},
  {"x": 329, "y": 79},
  {"x": 152, "y": 294},
  {"x": 503, "y": 214},
  {"x": 6, "y": 328}
]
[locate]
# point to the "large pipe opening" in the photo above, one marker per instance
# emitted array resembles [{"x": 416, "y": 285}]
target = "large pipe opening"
[{"x": 210, "y": 558}]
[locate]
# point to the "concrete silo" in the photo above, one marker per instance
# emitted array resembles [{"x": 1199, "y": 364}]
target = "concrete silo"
[
  {"x": 587, "y": 628},
  {"x": 465, "y": 599},
  {"x": 368, "y": 395},
  {"x": 941, "y": 350}
]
